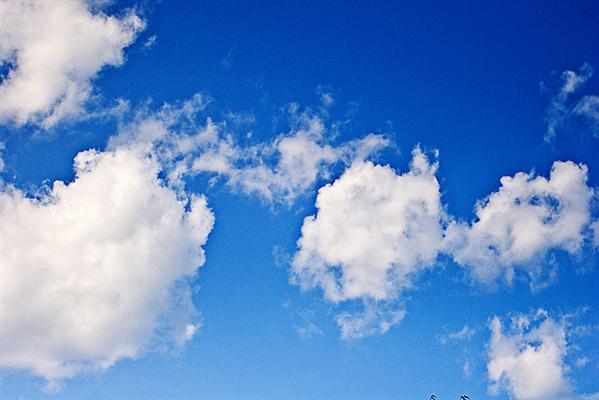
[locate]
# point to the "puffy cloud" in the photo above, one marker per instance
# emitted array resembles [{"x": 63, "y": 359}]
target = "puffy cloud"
[
  {"x": 97, "y": 270},
  {"x": 520, "y": 224},
  {"x": 528, "y": 360},
  {"x": 373, "y": 233},
  {"x": 54, "y": 50},
  {"x": 277, "y": 171}
]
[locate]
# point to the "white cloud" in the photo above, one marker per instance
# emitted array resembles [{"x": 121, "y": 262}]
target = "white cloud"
[
  {"x": 374, "y": 319},
  {"x": 588, "y": 108},
  {"x": 565, "y": 111},
  {"x": 465, "y": 333},
  {"x": 96, "y": 270},
  {"x": 559, "y": 108},
  {"x": 528, "y": 360},
  {"x": 581, "y": 361},
  {"x": 373, "y": 233},
  {"x": 595, "y": 229},
  {"x": 276, "y": 171},
  {"x": 520, "y": 224},
  {"x": 55, "y": 49}
]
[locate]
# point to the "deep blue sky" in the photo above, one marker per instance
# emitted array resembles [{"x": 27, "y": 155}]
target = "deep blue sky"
[{"x": 462, "y": 77}]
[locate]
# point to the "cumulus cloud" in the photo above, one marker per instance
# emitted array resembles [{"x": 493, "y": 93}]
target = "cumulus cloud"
[
  {"x": 54, "y": 49},
  {"x": 563, "y": 109},
  {"x": 373, "y": 233},
  {"x": 524, "y": 221},
  {"x": 528, "y": 360},
  {"x": 277, "y": 171},
  {"x": 97, "y": 269}
]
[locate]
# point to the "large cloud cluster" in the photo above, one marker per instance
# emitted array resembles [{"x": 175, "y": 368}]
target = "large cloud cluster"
[
  {"x": 95, "y": 270},
  {"x": 376, "y": 230},
  {"x": 54, "y": 49}
]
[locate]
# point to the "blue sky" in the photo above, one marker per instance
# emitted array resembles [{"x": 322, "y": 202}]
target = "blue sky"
[{"x": 303, "y": 200}]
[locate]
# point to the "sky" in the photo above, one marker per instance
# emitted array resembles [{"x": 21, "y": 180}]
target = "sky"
[{"x": 301, "y": 200}]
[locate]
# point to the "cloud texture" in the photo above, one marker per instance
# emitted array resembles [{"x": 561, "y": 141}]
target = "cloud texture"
[
  {"x": 528, "y": 360},
  {"x": 54, "y": 49},
  {"x": 277, "y": 171},
  {"x": 517, "y": 226},
  {"x": 373, "y": 233},
  {"x": 96, "y": 270}
]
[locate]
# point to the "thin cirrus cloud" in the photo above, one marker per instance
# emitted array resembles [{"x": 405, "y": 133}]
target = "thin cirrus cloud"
[
  {"x": 112, "y": 248},
  {"x": 54, "y": 50}
]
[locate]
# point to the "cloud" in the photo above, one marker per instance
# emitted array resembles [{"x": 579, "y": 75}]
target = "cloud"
[
  {"x": 518, "y": 226},
  {"x": 277, "y": 171},
  {"x": 373, "y": 233},
  {"x": 595, "y": 229},
  {"x": 581, "y": 361},
  {"x": 97, "y": 269},
  {"x": 54, "y": 49},
  {"x": 528, "y": 360},
  {"x": 564, "y": 110},
  {"x": 374, "y": 319},
  {"x": 465, "y": 333},
  {"x": 588, "y": 107}
]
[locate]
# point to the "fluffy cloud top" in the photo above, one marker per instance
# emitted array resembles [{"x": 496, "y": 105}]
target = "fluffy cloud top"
[
  {"x": 523, "y": 221},
  {"x": 95, "y": 270},
  {"x": 54, "y": 50},
  {"x": 373, "y": 232},
  {"x": 528, "y": 360}
]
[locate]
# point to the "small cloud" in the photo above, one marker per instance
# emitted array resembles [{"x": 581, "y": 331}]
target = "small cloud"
[
  {"x": 228, "y": 59},
  {"x": 563, "y": 110},
  {"x": 309, "y": 330},
  {"x": 467, "y": 368},
  {"x": 581, "y": 361},
  {"x": 150, "y": 42},
  {"x": 190, "y": 331},
  {"x": 465, "y": 333}
]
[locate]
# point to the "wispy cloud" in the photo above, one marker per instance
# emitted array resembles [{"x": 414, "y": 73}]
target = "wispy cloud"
[{"x": 563, "y": 108}]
